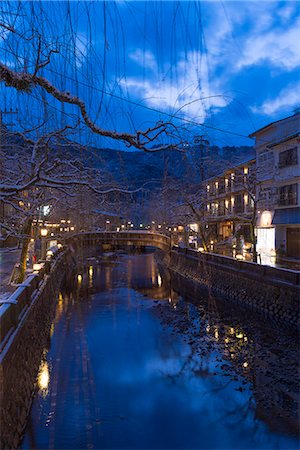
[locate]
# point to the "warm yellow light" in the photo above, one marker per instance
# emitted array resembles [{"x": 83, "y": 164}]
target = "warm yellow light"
[
  {"x": 208, "y": 188},
  {"x": 232, "y": 176},
  {"x": 72, "y": 228},
  {"x": 201, "y": 249},
  {"x": 208, "y": 329},
  {"x": 226, "y": 204},
  {"x": 141, "y": 225},
  {"x": 159, "y": 226},
  {"x": 79, "y": 278},
  {"x": 217, "y": 185},
  {"x": 69, "y": 221},
  {"x": 122, "y": 226},
  {"x": 91, "y": 271},
  {"x": 231, "y": 331},
  {"x": 63, "y": 221},
  {"x": 216, "y": 334},
  {"x": 266, "y": 219},
  {"x": 245, "y": 364},
  {"x": 226, "y": 182},
  {"x": 246, "y": 199},
  {"x": 159, "y": 280},
  {"x": 239, "y": 335},
  {"x": 49, "y": 253},
  {"x": 239, "y": 257},
  {"x": 232, "y": 201},
  {"x": 245, "y": 170},
  {"x": 37, "y": 266},
  {"x": 211, "y": 242},
  {"x": 175, "y": 228},
  {"x": 44, "y": 232},
  {"x": 59, "y": 245},
  {"x": 207, "y": 206},
  {"x": 43, "y": 378}
]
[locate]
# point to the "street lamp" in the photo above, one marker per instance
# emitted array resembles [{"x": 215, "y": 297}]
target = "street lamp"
[{"x": 44, "y": 233}]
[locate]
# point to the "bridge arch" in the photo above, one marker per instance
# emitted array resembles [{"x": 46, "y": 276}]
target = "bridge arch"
[{"x": 120, "y": 239}]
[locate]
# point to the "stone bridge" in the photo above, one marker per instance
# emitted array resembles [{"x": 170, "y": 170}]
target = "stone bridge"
[{"x": 111, "y": 240}]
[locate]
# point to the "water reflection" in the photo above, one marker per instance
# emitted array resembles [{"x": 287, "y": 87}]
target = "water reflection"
[
  {"x": 43, "y": 378},
  {"x": 129, "y": 371}
]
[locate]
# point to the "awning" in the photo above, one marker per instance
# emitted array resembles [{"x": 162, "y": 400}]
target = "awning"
[{"x": 287, "y": 216}]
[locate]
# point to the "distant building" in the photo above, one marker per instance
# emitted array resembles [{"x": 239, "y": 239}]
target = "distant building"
[
  {"x": 278, "y": 186},
  {"x": 229, "y": 201}
]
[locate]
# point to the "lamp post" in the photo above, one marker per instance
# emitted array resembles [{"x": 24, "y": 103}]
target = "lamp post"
[{"x": 44, "y": 233}]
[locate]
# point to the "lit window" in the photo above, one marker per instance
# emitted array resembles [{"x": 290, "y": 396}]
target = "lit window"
[
  {"x": 217, "y": 185},
  {"x": 232, "y": 177},
  {"x": 245, "y": 170},
  {"x": 207, "y": 188},
  {"x": 226, "y": 182},
  {"x": 246, "y": 199},
  {"x": 232, "y": 201}
]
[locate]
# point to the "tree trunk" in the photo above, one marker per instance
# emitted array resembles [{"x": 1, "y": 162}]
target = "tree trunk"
[{"x": 25, "y": 243}]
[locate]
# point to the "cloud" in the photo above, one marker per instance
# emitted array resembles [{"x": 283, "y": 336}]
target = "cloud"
[
  {"x": 145, "y": 59},
  {"x": 287, "y": 99},
  {"x": 280, "y": 47},
  {"x": 184, "y": 88}
]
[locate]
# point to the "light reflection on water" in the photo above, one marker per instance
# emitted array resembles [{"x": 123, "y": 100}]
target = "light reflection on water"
[{"x": 134, "y": 366}]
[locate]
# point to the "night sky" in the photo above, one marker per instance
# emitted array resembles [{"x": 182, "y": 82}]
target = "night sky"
[{"x": 228, "y": 65}]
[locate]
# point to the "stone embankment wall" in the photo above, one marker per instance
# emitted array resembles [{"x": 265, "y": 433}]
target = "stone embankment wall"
[
  {"x": 25, "y": 325},
  {"x": 272, "y": 291}
]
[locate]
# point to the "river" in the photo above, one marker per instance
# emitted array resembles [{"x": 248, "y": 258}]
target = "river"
[{"x": 131, "y": 364}]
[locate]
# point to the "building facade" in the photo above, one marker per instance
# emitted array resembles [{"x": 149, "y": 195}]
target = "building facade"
[
  {"x": 229, "y": 202},
  {"x": 278, "y": 187}
]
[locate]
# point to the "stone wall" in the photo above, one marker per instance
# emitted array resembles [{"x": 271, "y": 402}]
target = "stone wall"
[
  {"x": 22, "y": 348},
  {"x": 271, "y": 291}
]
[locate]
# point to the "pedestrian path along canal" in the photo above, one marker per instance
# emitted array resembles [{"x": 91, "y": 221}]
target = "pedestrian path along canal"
[{"x": 132, "y": 364}]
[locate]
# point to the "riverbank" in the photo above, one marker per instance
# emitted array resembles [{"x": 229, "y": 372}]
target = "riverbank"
[{"x": 270, "y": 291}]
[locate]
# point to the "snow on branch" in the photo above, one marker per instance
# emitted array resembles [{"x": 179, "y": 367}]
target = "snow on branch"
[{"x": 26, "y": 82}]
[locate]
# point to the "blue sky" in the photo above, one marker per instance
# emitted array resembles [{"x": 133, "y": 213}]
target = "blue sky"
[{"x": 233, "y": 66}]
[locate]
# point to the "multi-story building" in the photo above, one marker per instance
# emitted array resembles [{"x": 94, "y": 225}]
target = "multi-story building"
[
  {"x": 278, "y": 186},
  {"x": 229, "y": 201}
]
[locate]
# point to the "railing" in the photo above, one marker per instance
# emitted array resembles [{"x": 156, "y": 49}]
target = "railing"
[
  {"x": 125, "y": 237},
  {"x": 292, "y": 277},
  {"x": 13, "y": 308}
]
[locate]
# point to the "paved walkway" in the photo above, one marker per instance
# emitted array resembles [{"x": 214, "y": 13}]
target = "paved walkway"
[{"x": 8, "y": 258}]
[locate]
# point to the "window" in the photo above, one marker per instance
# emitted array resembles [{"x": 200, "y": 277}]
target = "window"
[
  {"x": 288, "y": 157},
  {"x": 288, "y": 195},
  {"x": 238, "y": 203}
]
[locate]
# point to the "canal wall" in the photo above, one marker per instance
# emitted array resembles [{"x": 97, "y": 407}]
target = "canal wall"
[
  {"x": 271, "y": 291},
  {"x": 25, "y": 321}
]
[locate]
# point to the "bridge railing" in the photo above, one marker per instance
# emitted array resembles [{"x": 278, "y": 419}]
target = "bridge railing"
[{"x": 127, "y": 237}]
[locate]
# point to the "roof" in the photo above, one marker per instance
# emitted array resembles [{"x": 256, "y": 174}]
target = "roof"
[
  {"x": 286, "y": 216},
  {"x": 270, "y": 125},
  {"x": 285, "y": 139}
]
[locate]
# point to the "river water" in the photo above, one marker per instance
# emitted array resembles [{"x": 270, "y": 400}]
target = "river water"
[{"x": 132, "y": 364}]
